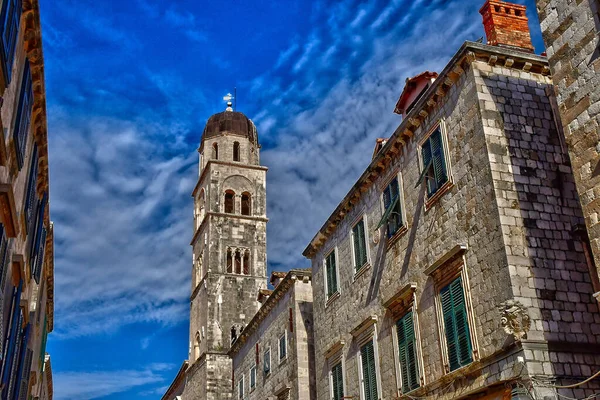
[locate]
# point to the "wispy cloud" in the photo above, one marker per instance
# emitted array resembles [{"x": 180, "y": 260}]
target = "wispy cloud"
[{"x": 89, "y": 385}]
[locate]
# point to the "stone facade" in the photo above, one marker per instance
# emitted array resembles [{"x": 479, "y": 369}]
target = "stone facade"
[
  {"x": 502, "y": 223},
  {"x": 571, "y": 33},
  {"x": 26, "y": 233},
  {"x": 229, "y": 250},
  {"x": 286, "y": 313}
]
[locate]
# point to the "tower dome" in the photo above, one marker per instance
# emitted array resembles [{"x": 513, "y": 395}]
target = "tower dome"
[{"x": 230, "y": 123}]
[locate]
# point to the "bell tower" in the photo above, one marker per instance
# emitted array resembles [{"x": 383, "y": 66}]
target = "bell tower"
[{"x": 229, "y": 250}]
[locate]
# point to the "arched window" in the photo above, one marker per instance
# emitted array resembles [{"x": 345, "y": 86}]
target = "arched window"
[
  {"x": 238, "y": 262},
  {"x": 247, "y": 262},
  {"x": 215, "y": 154},
  {"x": 197, "y": 346},
  {"x": 246, "y": 203},
  {"x": 236, "y": 151},
  {"x": 229, "y": 262},
  {"x": 230, "y": 201},
  {"x": 233, "y": 334}
]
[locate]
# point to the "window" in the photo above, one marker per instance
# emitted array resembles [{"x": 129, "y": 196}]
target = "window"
[
  {"x": 238, "y": 262},
  {"x": 283, "y": 347},
  {"x": 197, "y": 346},
  {"x": 456, "y": 326},
  {"x": 369, "y": 373},
  {"x": 267, "y": 362},
  {"x": 407, "y": 352},
  {"x": 23, "y": 117},
  {"x": 233, "y": 334},
  {"x": 360, "y": 245},
  {"x": 241, "y": 388},
  {"x": 434, "y": 162},
  {"x": 393, "y": 208},
  {"x": 246, "y": 203},
  {"x": 31, "y": 195},
  {"x": 337, "y": 382},
  {"x": 331, "y": 274},
  {"x": 229, "y": 262},
  {"x": 236, "y": 151},
  {"x": 215, "y": 151},
  {"x": 230, "y": 201},
  {"x": 246, "y": 262},
  {"x": 253, "y": 377},
  {"x": 10, "y": 17}
]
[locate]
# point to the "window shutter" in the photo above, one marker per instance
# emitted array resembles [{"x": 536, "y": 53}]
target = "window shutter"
[
  {"x": 331, "y": 274},
  {"x": 3, "y": 256},
  {"x": 463, "y": 338},
  {"x": 23, "y": 118},
  {"x": 31, "y": 188},
  {"x": 407, "y": 353},
  {"x": 35, "y": 247},
  {"x": 359, "y": 239},
  {"x": 369, "y": 372},
  {"x": 39, "y": 260},
  {"x": 338, "y": 382},
  {"x": 11, "y": 16},
  {"x": 11, "y": 339},
  {"x": 25, "y": 373},
  {"x": 439, "y": 164},
  {"x": 449, "y": 327},
  {"x": 15, "y": 357}
]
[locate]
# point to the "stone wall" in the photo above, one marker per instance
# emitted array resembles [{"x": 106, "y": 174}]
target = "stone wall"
[
  {"x": 511, "y": 205},
  {"x": 571, "y": 33}
]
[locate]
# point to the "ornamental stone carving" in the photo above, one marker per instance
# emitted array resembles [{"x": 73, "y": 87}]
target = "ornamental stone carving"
[{"x": 514, "y": 319}]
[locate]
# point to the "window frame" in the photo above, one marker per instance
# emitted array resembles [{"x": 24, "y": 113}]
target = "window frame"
[
  {"x": 267, "y": 356},
  {"x": 402, "y": 224},
  {"x": 252, "y": 377},
  {"x": 23, "y": 114},
  {"x": 416, "y": 344},
  {"x": 358, "y": 269},
  {"x": 448, "y": 363},
  {"x": 373, "y": 341},
  {"x": 332, "y": 382},
  {"x": 445, "y": 152},
  {"x": 241, "y": 388},
  {"x": 9, "y": 54},
  {"x": 285, "y": 339},
  {"x": 333, "y": 295}
]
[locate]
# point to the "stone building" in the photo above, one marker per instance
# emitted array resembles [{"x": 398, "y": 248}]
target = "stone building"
[
  {"x": 229, "y": 250},
  {"x": 26, "y": 233},
  {"x": 273, "y": 356},
  {"x": 571, "y": 31},
  {"x": 451, "y": 269}
]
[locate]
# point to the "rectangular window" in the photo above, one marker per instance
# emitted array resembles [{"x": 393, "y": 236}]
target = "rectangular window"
[
  {"x": 283, "y": 347},
  {"x": 253, "y": 377},
  {"x": 456, "y": 326},
  {"x": 369, "y": 373},
  {"x": 10, "y": 18},
  {"x": 434, "y": 162},
  {"x": 407, "y": 352},
  {"x": 331, "y": 274},
  {"x": 23, "y": 118},
  {"x": 241, "y": 388},
  {"x": 31, "y": 195},
  {"x": 360, "y": 244},
  {"x": 393, "y": 208},
  {"x": 337, "y": 382},
  {"x": 267, "y": 362}
]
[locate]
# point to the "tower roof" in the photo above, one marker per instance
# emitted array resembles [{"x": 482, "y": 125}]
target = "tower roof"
[{"x": 230, "y": 123}]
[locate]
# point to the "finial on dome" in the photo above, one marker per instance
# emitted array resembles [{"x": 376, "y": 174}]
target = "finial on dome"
[{"x": 228, "y": 97}]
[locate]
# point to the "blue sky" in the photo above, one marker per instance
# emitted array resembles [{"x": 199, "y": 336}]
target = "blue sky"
[{"x": 130, "y": 85}]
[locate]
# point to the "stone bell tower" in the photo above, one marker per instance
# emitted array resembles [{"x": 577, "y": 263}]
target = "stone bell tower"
[{"x": 229, "y": 250}]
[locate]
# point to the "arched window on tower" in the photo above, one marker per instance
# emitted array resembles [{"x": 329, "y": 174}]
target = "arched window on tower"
[
  {"x": 247, "y": 262},
  {"x": 229, "y": 262},
  {"x": 238, "y": 262},
  {"x": 215, "y": 152},
  {"x": 230, "y": 201},
  {"x": 236, "y": 151},
  {"x": 246, "y": 203},
  {"x": 233, "y": 334},
  {"x": 197, "y": 346}
]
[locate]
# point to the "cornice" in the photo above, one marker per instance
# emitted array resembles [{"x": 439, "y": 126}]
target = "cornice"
[
  {"x": 305, "y": 275},
  {"x": 432, "y": 99}
]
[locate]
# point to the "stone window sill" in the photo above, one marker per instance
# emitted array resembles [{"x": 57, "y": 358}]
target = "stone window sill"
[
  {"x": 361, "y": 271},
  {"x": 390, "y": 242},
  {"x": 332, "y": 298},
  {"x": 446, "y": 187}
]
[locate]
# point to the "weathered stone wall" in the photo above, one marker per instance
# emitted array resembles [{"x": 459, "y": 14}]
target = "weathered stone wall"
[
  {"x": 293, "y": 372},
  {"x": 512, "y": 203},
  {"x": 571, "y": 33}
]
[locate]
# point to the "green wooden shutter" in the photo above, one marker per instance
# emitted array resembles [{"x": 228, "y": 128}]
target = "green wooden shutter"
[
  {"x": 338, "y": 382},
  {"x": 356, "y": 240},
  {"x": 427, "y": 159},
  {"x": 407, "y": 353},
  {"x": 331, "y": 274},
  {"x": 362, "y": 243},
  {"x": 369, "y": 371},
  {"x": 439, "y": 163},
  {"x": 458, "y": 339}
]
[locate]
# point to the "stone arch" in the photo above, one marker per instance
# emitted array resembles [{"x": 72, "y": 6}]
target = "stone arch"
[
  {"x": 215, "y": 151},
  {"x": 238, "y": 183},
  {"x": 246, "y": 262},
  {"x": 197, "y": 341},
  {"x": 238, "y": 261}
]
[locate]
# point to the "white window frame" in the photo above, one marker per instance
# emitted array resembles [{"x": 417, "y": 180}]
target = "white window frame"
[
  {"x": 358, "y": 272},
  {"x": 268, "y": 350},
  {"x": 419, "y": 351},
  {"x": 241, "y": 388},
  {"x": 445, "y": 148},
  {"x": 334, "y": 296},
  {"x": 373, "y": 338},
  {"x": 252, "y": 373},
  {"x": 398, "y": 176},
  {"x": 331, "y": 365},
  {"x": 284, "y": 336}
]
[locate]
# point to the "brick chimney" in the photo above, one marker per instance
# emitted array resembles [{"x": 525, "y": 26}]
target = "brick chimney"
[{"x": 506, "y": 25}]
